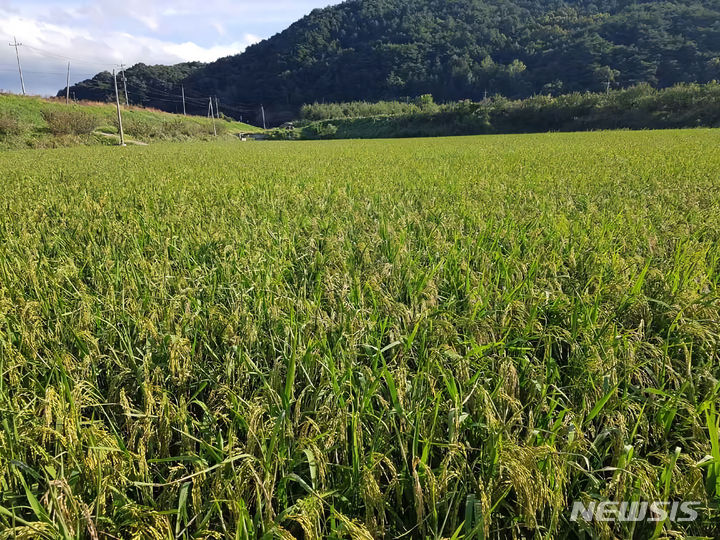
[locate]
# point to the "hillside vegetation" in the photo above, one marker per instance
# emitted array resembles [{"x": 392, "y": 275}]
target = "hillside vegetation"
[
  {"x": 446, "y": 338},
  {"x": 638, "y": 107},
  {"x": 41, "y": 123},
  {"x": 387, "y": 49}
]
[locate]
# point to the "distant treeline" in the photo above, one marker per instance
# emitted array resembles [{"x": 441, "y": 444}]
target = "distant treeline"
[
  {"x": 363, "y": 109},
  {"x": 638, "y": 107}
]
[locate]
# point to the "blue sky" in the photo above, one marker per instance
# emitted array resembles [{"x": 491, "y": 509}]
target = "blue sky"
[{"x": 98, "y": 34}]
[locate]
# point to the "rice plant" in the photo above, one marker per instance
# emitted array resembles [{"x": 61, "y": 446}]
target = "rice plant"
[{"x": 440, "y": 338}]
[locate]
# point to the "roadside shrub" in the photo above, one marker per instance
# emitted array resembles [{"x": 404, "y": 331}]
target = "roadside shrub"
[
  {"x": 426, "y": 103},
  {"x": 177, "y": 129},
  {"x": 362, "y": 109},
  {"x": 321, "y": 131},
  {"x": 221, "y": 128},
  {"x": 283, "y": 135},
  {"x": 9, "y": 124},
  {"x": 174, "y": 129},
  {"x": 140, "y": 128},
  {"x": 70, "y": 121}
]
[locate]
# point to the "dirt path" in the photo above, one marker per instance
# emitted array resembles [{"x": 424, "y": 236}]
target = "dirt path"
[{"x": 117, "y": 138}]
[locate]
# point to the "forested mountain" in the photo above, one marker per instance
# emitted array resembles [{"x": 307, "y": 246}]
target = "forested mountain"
[{"x": 456, "y": 49}]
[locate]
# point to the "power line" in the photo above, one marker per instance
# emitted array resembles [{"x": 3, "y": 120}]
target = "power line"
[
  {"x": 199, "y": 99},
  {"x": 25, "y": 72},
  {"x": 64, "y": 57},
  {"x": 153, "y": 98},
  {"x": 153, "y": 92}
]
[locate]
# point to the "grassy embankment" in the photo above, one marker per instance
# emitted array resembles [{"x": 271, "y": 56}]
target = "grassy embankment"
[
  {"x": 354, "y": 339},
  {"x": 33, "y": 122}
]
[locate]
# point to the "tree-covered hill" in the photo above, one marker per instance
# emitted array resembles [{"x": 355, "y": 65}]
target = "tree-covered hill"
[
  {"x": 456, "y": 49},
  {"x": 151, "y": 86}
]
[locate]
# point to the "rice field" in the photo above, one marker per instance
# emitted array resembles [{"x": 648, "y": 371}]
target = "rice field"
[{"x": 438, "y": 338}]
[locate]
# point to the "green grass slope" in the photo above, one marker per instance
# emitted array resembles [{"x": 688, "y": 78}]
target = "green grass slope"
[
  {"x": 41, "y": 123},
  {"x": 436, "y": 338}
]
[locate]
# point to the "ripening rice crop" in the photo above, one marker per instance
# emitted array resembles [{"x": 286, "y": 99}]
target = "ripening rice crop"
[{"x": 440, "y": 338}]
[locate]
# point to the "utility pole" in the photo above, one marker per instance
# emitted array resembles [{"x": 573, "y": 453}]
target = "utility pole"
[
  {"x": 607, "y": 88},
  {"x": 17, "y": 54},
  {"x": 210, "y": 111},
  {"x": 67, "y": 87},
  {"x": 217, "y": 108},
  {"x": 122, "y": 72},
  {"x": 262, "y": 108},
  {"x": 117, "y": 103},
  {"x": 183, "y": 95}
]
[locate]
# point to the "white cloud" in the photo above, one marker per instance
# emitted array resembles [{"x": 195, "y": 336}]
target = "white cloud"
[
  {"x": 47, "y": 47},
  {"x": 192, "y": 51},
  {"x": 149, "y": 21},
  {"x": 89, "y": 47},
  {"x": 220, "y": 28}
]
